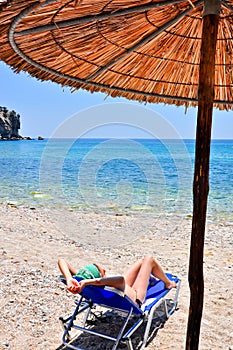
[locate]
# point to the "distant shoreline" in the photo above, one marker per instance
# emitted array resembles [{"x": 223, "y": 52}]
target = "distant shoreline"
[{"x": 22, "y": 138}]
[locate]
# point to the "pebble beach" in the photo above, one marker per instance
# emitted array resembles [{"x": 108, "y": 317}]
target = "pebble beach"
[{"x": 32, "y": 298}]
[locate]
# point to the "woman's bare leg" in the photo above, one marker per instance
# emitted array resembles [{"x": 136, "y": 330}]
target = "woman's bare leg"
[
  {"x": 158, "y": 272},
  {"x": 131, "y": 274},
  {"x": 149, "y": 265}
]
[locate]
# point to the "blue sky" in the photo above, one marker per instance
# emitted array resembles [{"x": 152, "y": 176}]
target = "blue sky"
[{"x": 43, "y": 106}]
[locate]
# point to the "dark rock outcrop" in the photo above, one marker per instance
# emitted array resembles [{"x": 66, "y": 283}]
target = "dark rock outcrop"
[{"x": 9, "y": 124}]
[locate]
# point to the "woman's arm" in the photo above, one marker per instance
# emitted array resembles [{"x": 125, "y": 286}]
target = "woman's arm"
[
  {"x": 68, "y": 271},
  {"x": 115, "y": 282},
  {"x": 76, "y": 287},
  {"x": 64, "y": 268}
]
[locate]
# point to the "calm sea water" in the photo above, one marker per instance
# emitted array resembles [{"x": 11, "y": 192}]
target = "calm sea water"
[{"x": 148, "y": 176}]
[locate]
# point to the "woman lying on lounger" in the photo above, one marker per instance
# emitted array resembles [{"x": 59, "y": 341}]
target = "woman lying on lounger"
[{"x": 133, "y": 283}]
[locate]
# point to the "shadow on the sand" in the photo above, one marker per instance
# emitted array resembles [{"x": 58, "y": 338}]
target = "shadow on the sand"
[{"x": 112, "y": 322}]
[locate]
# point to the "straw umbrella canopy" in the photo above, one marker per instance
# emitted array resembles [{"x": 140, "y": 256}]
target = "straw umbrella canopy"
[
  {"x": 140, "y": 49},
  {"x": 171, "y": 51}
]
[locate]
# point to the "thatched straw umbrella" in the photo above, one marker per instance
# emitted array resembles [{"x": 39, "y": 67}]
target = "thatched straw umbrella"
[{"x": 152, "y": 51}]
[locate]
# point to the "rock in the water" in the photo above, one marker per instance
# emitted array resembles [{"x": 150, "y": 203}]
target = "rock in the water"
[{"x": 9, "y": 124}]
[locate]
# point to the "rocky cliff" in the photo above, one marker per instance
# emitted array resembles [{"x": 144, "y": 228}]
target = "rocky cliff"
[{"x": 9, "y": 124}]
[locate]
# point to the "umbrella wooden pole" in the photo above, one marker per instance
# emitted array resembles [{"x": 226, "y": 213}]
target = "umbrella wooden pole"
[{"x": 201, "y": 176}]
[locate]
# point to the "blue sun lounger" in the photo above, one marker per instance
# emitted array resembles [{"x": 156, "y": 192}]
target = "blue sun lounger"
[{"x": 113, "y": 299}]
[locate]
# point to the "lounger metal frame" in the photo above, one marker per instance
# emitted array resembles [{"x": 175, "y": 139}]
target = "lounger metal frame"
[{"x": 85, "y": 304}]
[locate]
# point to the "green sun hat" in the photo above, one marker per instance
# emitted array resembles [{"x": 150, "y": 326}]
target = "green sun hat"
[{"x": 88, "y": 272}]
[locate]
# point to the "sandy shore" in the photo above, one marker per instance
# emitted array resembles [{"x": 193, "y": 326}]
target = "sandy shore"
[{"x": 32, "y": 299}]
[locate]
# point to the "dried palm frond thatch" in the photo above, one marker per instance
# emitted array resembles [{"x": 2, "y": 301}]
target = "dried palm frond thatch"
[{"x": 144, "y": 50}]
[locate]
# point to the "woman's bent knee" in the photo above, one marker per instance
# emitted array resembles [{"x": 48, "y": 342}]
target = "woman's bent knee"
[{"x": 149, "y": 259}]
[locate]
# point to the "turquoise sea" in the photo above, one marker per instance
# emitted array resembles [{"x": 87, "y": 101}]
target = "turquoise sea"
[{"x": 117, "y": 175}]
